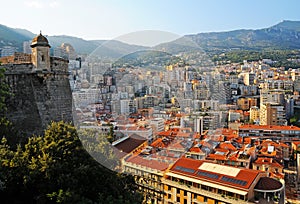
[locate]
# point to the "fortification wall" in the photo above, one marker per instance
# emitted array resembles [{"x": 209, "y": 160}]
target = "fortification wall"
[{"x": 38, "y": 97}]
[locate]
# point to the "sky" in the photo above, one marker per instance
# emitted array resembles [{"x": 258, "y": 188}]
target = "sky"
[{"x": 99, "y": 19}]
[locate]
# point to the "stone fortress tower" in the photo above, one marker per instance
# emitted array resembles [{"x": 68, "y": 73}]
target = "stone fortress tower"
[
  {"x": 40, "y": 50},
  {"x": 40, "y": 88}
]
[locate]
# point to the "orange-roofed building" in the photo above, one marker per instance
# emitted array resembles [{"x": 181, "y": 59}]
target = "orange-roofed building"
[
  {"x": 167, "y": 133},
  {"x": 296, "y": 146},
  {"x": 231, "y": 158},
  {"x": 160, "y": 143},
  {"x": 229, "y": 133},
  {"x": 273, "y": 149},
  {"x": 227, "y": 145},
  {"x": 200, "y": 181},
  {"x": 269, "y": 165},
  {"x": 148, "y": 174},
  {"x": 195, "y": 152},
  {"x": 269, "y": 131},
  {"x": 217, "y": 158}
]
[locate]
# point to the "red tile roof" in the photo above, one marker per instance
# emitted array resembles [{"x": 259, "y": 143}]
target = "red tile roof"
[
  {"x": 227, "y": 145},
  {"x": 166, "y": 133},
  {"x": 247, "y": 175},
  {"x": 159, "y": 143},
  {"x": 150, "y": 163},
  {"x": 216, "y": 157},
  {"x": 268, "y": 161},
  {"x": 296, "y": 143},
  {"x": 269, "y": 127},
  {"x": 195, "y": 149}
]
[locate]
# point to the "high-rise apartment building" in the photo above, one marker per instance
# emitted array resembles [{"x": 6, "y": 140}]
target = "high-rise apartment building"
[
  {"x": 26, "y": 47},
  {"x": 272, "y": 114}
]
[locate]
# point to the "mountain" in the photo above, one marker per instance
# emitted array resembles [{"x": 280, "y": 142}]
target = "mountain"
[
  {"x": 108, "y": 48},
  {"x": 12, "y": 37},
  {"x": 80, "y": 45},
  {"x": 284, "y": 35},
  {"x": 115, "y": 49}
]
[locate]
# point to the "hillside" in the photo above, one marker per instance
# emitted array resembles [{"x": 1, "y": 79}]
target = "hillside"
[
  {"x": 284, "y": 35},
  {"x": 12, "y": 37},
  {"x": 115, "y": 49},
  {"x": 80, "y": 45}
]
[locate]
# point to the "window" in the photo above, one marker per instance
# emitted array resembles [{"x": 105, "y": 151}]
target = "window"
[{"x": 43, "y": 58}]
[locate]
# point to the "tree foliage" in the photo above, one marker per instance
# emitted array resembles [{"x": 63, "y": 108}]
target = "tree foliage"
[
  {"x": 99, "y": 147},
  {"x": 55, "y": 168}
]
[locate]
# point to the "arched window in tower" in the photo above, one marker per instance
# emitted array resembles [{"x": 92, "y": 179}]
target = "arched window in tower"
[{"x": 43, "y": 58}]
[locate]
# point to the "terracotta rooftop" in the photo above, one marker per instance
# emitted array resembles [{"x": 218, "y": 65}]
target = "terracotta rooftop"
[
  {"x": 269, "y": 161},
  {"x": 150, "y": 163},
  {"x": 166, "y": 133},
  {"x": 160, "y": 143},
  {"x": 195, "y": 149},
  {"x": 193, "y": 168},
  {"x": 269, "y": 127},
  {"x": 216, "y": 157},
  {"x": 227, "y": 145},
  {"x": 228, "y": 131},
  {"x": 296, "y": 142}
]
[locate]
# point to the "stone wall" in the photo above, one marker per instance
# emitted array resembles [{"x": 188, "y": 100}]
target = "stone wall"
[{"x": 38, "y": 97}]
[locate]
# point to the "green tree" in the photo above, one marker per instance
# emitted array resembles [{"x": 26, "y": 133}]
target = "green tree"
[
  {"x": 55, "y": 168},
  {"x": 99, "y": 147}
]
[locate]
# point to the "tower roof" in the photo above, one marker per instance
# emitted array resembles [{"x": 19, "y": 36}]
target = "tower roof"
[{"x": 40, "y": 40}]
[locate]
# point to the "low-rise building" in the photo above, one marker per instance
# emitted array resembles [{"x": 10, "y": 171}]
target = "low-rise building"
[
  {"x": 194, "y": 181},
  {"x": 269, "y": 165},
  {"x": 148, "y": 174},
  {"x": 269, "y": 131}
]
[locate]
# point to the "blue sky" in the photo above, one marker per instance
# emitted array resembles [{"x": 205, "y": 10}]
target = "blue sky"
[{"x": 97, "y": 19}]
